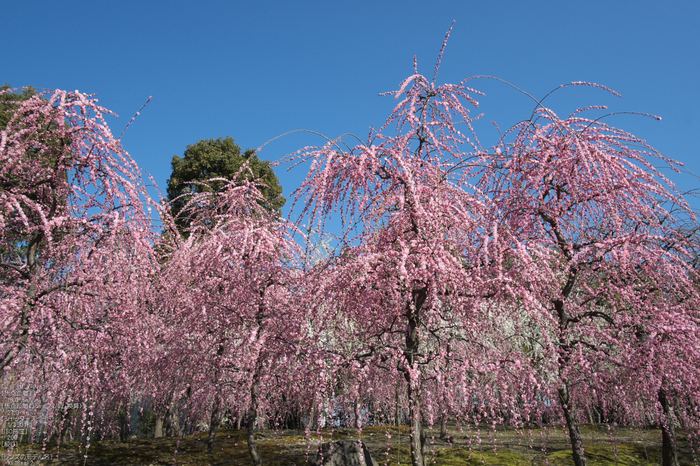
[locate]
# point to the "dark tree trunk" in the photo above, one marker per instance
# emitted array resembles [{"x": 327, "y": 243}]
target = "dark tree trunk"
[
  {"x": 398, "y": 412},
  {"x": 72, "y": 426},
  {"x": 669, "y": 452},
  {"x": 418, "y": 439},
  {"x": 567, "y": 407},
  {"x": 124, "y": 427},
  {"x": 572, "y": 426},
  {"x": 214, "y": 422},
  {"x": 64, "y": 434},
  {"x": 294, "y": 420},
  {"x": 443, "y": 426},
  {"x": 22, "y": 339}
]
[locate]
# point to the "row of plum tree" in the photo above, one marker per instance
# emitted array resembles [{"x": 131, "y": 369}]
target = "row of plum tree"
[{"x": 520, "y": 284}]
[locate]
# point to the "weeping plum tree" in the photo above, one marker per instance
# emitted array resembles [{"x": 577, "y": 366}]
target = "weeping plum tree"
[
  {"x": 422, "y": 266},
  {"x": 76, "y": 249},
  {"x": 560, "y": 240},
  {"x": 235, "y": 307},
  {"x": 584, "y": 202},
  {"x": 667, "y": 357}
]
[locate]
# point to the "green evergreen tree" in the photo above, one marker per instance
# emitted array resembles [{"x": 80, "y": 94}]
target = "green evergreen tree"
[
  {"x": 218, "y": 158},
  {"x": 14, "y": 250},
  {"x": 8, "y": 105}
]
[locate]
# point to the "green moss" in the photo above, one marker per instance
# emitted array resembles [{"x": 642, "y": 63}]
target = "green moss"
[
  {"x": 288, "y": 448},
  {"x": 622, "y": 455},
  {"x": 462, "y": 456}
]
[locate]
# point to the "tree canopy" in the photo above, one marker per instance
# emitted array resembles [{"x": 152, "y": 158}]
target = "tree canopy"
[{"x": 211, "y": 159}]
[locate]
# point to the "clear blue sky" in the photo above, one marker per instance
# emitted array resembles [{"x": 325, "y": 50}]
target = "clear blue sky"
[{"x": 256, "y": 69}]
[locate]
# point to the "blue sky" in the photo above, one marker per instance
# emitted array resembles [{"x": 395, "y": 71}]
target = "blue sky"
[{"x": 256, "y": 69}]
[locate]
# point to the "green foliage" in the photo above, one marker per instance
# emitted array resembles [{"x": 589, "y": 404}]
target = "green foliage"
[
  {"x": 7, "y": 105},
  {"x": 53, "y": 157},
  {"x": 218, "y": 158},
  {"x": 53, "y": 154}
]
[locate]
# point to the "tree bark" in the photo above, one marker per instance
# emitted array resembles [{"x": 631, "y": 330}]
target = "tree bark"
[
  {"x": 64, "y": 433},
  {"x": 214, "y": 422},
  {"x": 416, "y": 427},
  {"x": 253, "y": 417},
  {"x": 168, "y": 425},
  {"x": 124, "y": 426},
  {"x": 22, "y": 340},
  {"x": 443, "y": 426},
  {"x": 572, "y": 426},
  {"x": 564, "y": 396},
  {"x": 313, "y": 425},
  {"x": 159, "y": 427},
  {"x": 398, "y": 412},
  {"x": 669, "y": 451},
  {"x": 418, "y": 439},
  {"x": 171, "y": 425}
]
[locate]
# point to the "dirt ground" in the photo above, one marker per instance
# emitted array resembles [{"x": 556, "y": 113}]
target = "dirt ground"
[{"x": 388, "y": 445}]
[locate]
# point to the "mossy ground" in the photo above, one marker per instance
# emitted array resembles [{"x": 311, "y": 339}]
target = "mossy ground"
[{"x": 389, "y": 446}]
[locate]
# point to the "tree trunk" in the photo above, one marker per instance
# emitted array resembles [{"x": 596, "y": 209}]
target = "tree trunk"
[
  {"x": 443, "y": 426},
  {"x": 589, "y": 411},
  {"x": 64, "y": 433},
  {"x": 159, "y": 427},
  {"x": 567, "y": 407},
  {"x": 65, "y": 436},
  {"x": 669, "y": 452},
  {"x": 124, "y": 427},
  {"x": 418, "y": 439},
  {"x": 168, "y": 425},
  {"x": 252, "y": 419},
  {"x": 572, "y": 425},
  {"x": 312, "y": 416},
  {"x": 214, "y": 422},
  {"x": 22, "y": 339},
  {"x": 398, "y": 412},
  {"x": 171, "y": 424}
]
